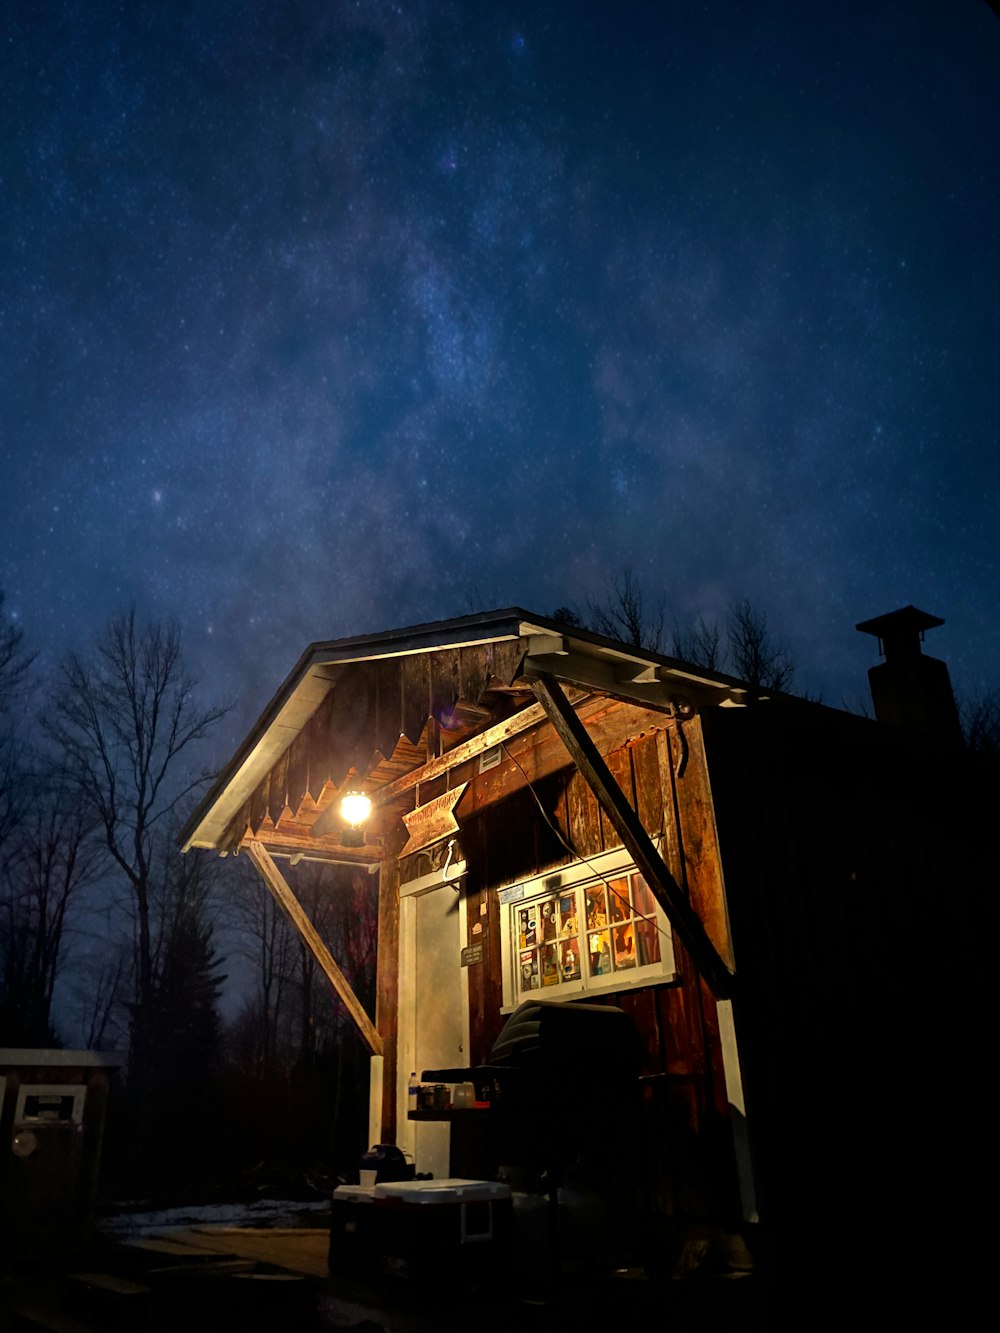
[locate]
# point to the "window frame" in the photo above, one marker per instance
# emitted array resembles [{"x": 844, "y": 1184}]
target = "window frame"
[{"x": 575, "y": 877}]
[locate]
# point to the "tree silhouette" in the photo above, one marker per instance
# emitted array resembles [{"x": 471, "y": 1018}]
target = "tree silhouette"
[
  {"x": 627, "y": 615},
  {"x": 53, "y": 857},
  {"x": 126, "y": 718},
  {"x": 755, "y": 655}
]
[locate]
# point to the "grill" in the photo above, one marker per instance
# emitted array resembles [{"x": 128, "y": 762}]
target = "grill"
[{"x": 559, "y": 1077}]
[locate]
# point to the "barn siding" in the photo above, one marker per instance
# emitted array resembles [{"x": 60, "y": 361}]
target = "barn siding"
[{"x": 686, "y": 1108}]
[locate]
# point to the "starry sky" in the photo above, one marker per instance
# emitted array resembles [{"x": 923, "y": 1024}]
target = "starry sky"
[{"x": 320, "y": 317}]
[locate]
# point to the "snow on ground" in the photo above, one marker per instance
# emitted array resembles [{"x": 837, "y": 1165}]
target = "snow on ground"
[{"x": 259, "y": 1213}]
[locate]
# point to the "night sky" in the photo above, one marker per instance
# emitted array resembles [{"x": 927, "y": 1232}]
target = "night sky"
[{"x": 319, "y": 318}]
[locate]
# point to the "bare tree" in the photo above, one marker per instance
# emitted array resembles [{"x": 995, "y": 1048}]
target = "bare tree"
[
  {"x": 268, "y": 943},
  {"x": 699, "y": 643},
  {"x": 15, "y": 660},
  {"x": 626, "y": 615},
  {"x": 55, "y": 857},
  {"x": 567, "y": 616},
  {"x": 754, "y": 654},
  {"x": 15, "y": 670},
  {"x": 100, "y": 989},
  {"x": 314, "y": 1000},
  {"x": 749, "y": 651},
  {"x": 980, "y": 715},
  {"x": 126, "y": 718}
]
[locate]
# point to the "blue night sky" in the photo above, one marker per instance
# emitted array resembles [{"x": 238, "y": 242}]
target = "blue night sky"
[{"x": 319, "y": 318}]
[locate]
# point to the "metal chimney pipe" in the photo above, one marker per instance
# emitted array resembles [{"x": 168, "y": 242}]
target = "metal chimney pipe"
[{"x": 909, "y": 689}]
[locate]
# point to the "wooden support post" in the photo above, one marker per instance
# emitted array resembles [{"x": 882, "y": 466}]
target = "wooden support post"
[
  {"x": 293, "y": 909},
  {"x": 387, "y": 987},
  {"x": 665, "y": 889}
]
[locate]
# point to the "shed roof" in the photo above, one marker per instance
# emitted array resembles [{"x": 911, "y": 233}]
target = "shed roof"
[{"x": 365, "y": 701}]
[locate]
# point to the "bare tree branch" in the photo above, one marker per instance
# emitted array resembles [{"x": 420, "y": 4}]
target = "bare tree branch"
[
  {"x": 125, "y": 717},
  {"x": 755, "y": 655},
  {"x": 626, "y": 616}
]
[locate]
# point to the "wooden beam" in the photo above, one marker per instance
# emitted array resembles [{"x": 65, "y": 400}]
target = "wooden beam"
[
  {"x": 486, "y": 740},
  {"x": 665, "y": 889},
  {"x": 287, "y": 900},
  {"x": 387, "y": 991}
]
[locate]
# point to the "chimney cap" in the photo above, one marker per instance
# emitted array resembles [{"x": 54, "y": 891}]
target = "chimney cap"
[{"x": 907, "y": 620}]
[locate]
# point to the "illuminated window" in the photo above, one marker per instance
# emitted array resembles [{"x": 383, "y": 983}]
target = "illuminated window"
[{"x": 586, "y": 928}]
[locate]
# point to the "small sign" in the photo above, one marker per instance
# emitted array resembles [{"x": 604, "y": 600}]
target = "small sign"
[
  {"x": 431, "y": 822},
  {"x": 472, "y": 953},
  {"x": 512, "y": 895}
]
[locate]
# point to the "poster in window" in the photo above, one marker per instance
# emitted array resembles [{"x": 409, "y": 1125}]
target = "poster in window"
[
  {"x": 600, "y": 953},
  {"x": 548, "y": 921},
  {"x": 550, "y": 965},
  {"x": 597, "y": 908},
  {"x": 567, "y": 918},
  {"x": 571, "y": 960},
  {"x": 527, "y": 921},
  {"x": 529, "y": 970}
]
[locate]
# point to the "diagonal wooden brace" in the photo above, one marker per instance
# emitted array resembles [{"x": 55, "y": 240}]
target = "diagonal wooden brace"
[
  {"x": 667, "y": 892},
  {"x": 293, "y": 909}
]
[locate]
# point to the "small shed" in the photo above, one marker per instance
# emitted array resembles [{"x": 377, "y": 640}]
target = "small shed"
[
  {"x": 768, "y": 886},
  {"x": 52, "y": 1111}
]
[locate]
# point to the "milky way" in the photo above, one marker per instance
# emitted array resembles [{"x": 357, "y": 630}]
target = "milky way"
[{"x": 320, "y": 318}]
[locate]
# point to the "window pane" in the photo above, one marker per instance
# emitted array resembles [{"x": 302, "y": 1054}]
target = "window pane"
[
  {"x": 548, "y": 919},
  {"x": 597, "y": 907},
  {"x": 642, "y": 896},
  {"x": 624, "y": 946},
  {"x": 567, "y": 917},
  {"x": 527, "y": 927},
  {"x": 529, "y": 970},
  {"x": 570, "y": 953},
  {"x": 600, "y": 953},
  {"x": 618, "y": 900},
  {"x": 647, "y": 934},
  {"x": 550, "y": 965},
  {"x": 648, "y": 941}
]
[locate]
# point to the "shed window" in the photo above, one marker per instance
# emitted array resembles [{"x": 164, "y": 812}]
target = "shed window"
[{"x": 590, "y": 927}]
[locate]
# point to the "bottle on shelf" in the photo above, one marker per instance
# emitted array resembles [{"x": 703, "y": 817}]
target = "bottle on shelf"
[{"x": 412, "y": 1093}]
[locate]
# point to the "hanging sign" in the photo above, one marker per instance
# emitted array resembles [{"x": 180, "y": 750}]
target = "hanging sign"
[{"x": 433, "y": 821}]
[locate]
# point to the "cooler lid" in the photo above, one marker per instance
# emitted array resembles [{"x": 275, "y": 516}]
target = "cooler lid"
[
  {"x": 355, "y": 1193},
  {"x": 450, "y": 1190}
]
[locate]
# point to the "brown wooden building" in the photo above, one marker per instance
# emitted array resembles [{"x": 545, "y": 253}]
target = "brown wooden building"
[{"x": 768, "y": 886}]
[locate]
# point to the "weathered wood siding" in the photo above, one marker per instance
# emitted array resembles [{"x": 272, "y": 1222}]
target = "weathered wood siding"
[{"x": 664, "y": 777}]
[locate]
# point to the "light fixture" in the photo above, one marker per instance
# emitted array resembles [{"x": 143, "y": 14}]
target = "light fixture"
[{"x": 355, "y": 807}]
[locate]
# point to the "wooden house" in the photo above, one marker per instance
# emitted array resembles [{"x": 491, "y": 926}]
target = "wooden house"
[{"x": 768, "y": 886}]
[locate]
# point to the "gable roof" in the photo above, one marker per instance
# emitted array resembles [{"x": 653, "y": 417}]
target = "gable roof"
[{"x": 441, "y": 664}]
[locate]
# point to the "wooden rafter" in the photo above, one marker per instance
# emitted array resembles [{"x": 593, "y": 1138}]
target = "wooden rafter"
[
  {"x": 466, "y": 750},
  {"x": 665, "y": 888},
  {"x": 287, "y": 900}
]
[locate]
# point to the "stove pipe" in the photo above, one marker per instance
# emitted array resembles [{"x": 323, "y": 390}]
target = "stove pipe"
[{"x": 909, "y": 689}]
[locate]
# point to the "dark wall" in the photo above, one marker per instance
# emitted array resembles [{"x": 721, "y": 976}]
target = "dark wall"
[{"x": 859, "y": 891}]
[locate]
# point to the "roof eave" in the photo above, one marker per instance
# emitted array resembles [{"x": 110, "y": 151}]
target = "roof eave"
[{"x": 558, "y": 649}]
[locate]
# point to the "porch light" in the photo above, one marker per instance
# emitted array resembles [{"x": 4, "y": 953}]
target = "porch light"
[{"x": 355, "y": 807}]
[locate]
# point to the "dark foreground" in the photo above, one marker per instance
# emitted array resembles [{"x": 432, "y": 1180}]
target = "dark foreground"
[
  {"x": 246, "y": 1279},
  {"x": 243, "y": 1280}
]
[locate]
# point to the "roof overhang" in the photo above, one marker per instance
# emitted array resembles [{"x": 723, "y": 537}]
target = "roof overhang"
[{"x": 572, "y": 655}]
